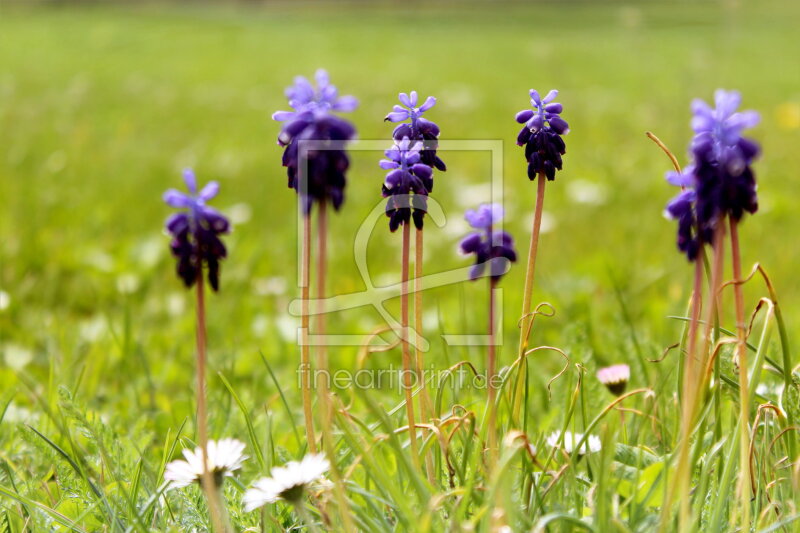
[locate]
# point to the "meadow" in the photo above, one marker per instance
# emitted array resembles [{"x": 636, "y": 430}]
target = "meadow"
[{"x": 102, "y": 107}]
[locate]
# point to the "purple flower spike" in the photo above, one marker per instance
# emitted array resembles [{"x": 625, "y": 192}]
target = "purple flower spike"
[
  {"x": 541, "y": 135},
  {"x": 321, "y": 175},
  {"x": 195, "y": 232},
  {"x": 720, "y": 181},
  {"x": 418, "y": 128},
  {"x": 489, "y": 245},
  {"x": 407, "y": 184}
]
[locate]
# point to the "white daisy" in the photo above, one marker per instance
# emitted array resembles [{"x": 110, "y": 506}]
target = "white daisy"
[
  {"x": 224, "y": 457},
  {"x": 287, "y": 482},
  {"x": 571, "y": 440}
]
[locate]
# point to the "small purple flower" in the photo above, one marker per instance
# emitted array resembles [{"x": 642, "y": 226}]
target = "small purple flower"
[
  {"x": 195, "y": 231},
  {"x": 321, "y": 175},
  {"x": 407, "y": 184},
  {"x": 718, "y": 131},
  {"x": 418, "y": 129},
  {"x": 488, "y": 245},
  {"x": 309, "y": 102},
  {"x": 541, "y": 135}
]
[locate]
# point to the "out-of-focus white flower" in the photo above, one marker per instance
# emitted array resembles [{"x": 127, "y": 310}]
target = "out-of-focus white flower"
[
  {"x": 272, "y": 286},
  {"x": 224, "y": 456},
  {"x": 587, "y": 192},
  {"x": 127, "y": 283},
  {"x": 5, "y": 300},
  {"x": 17, "y": 357},
  {"x": 571, "y": 441},
  {"x": 289, "y": 482}
]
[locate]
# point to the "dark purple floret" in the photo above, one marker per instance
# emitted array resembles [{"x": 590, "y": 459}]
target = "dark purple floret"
[
  {"x": 195, "y": 232},
  {"x": 418, "y": 129},
  {"x": 682, "y": 209},
  {"x": 489, "y": 245},
  {"x": 315, "y": 156},
  {"x": 406, "y": 185},
  {"x": 541, "y": 135}
]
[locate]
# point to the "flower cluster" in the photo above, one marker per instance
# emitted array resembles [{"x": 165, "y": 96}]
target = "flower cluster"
[
  {"x": 407, "y": 175},
  {"x": 493, "y": 246},
  {"x": 224, "y": 457},
  {"x": 314, "y": 139},
  {"x": 720, "y": 181},
  {"x": 289, "y": 482},
  {"x": 418, "y": 129},
  {"x": 541, "y": 135},
  {"x": 195, "y": 232}
]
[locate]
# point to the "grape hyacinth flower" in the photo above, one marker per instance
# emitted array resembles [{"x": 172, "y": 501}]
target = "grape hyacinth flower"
[
  {"x": 195, "y": 231},
  {"x": 407, "y": 184},
  {"x": 316, "y": 162},
  {"x": 321, "y": 176},
  {"x": 224, "y": 457},
  {"x": 497, "y": 248},
  {"x": 418, "y": 129},
  {"x": 718, "y": 188},
  {"x": 725, "y": 182},
  {"x": 541, "y": 135},
  {"x": 195, "y": 241},
  {"x": 488, "y": 244}
]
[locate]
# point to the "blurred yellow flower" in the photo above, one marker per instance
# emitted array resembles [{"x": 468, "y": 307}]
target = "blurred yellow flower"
[{"x": 788, "y": 115}]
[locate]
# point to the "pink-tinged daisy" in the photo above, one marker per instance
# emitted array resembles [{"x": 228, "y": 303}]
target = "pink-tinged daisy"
[{"x": 615, "y": 377}]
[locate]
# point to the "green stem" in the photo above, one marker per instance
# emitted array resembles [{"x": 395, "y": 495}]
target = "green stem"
[
  {"x": 527, "y": 296},
  {"x": 744, "y": 396},
  {"x": 305, "y": 359},
  {"x": 202, "y": 416}
]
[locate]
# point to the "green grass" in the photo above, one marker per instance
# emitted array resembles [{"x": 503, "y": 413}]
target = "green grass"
[{"x": 100, "y": 108}]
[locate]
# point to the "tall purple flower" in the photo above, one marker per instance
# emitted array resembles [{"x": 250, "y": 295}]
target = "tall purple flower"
[
  {"x": 317, "y": 172},
  {"x": 418, "y": 128},
  {"x": 407, "y": 184},
  {"x": 541, "y": 135},
  {"x": 720, "y": 181},
  {"x": 725, "y": 182},
  {"x": 487, "y": 243},
  {"x": 195, "y": 232}
]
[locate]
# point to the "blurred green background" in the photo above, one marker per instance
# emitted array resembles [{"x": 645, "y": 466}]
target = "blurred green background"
[{"x": 101, "y": 107}]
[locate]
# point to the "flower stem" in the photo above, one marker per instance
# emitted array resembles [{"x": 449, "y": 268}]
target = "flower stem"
[
  {"x": 690, "y": 389},
  {"x": 528, "y": 296},
  {"x": 323, "y": 374},
  {"x": 306, "y": 517},
  {"x": 425, "y": 401},
  {"x": 490, "y": 373},
  {"x": 202, "y": 416},
  {"x": 305, "y": 359},
  {"x": 412, "y": 427},
  {"x": 741, "y": 353}
]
